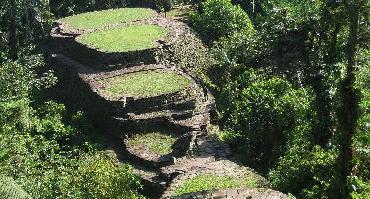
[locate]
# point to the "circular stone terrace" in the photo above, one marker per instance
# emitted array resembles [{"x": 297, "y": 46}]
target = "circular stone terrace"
[
  {"x": 116, "y": 38},
  {"x": 91, "y": 21},
  {"x": 147, "y": 83},
  {"x": 142, "y": 95},
  {"x": 130, "y": 38}
]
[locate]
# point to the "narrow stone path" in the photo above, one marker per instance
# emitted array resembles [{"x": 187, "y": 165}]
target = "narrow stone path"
[{"x": 185, "y": 114}]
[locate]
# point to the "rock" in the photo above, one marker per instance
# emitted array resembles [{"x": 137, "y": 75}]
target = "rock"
[{"x": 183, "y": 144}]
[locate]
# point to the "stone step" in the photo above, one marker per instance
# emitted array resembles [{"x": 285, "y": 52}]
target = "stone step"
[{"x": 153, "y": 184}]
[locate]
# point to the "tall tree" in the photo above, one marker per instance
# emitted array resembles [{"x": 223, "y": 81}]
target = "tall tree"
[
  {"x": 13, "y": 30},
  {"x": 25, "y": 23},
  {"x": 349, "y": 99}
]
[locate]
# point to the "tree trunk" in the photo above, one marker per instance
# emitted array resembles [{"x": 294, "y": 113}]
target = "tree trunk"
[
  {"x": 349, "y": 99},
  {"x": 13, "y": 31}
]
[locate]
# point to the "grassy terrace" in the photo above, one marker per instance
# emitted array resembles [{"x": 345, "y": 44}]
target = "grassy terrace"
[
  {"x": 155, "y": 142},
  {"x": 131, "y": 38},
  {"x": 92, "y": 20},
  {"x": 211, "y": 181},
  {"x": 145, "y": 84}
]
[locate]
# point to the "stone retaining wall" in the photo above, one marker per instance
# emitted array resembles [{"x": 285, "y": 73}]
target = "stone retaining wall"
[
  {"x": 67, "y": 41},
  {"x": 114, "y": 114},
  {"x": 236, "y": 194}
]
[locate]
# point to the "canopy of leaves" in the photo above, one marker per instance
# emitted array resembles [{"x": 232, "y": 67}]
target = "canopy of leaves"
[
  {"x": 220, "y": 18},
  {"x": 264, "y": 116}
]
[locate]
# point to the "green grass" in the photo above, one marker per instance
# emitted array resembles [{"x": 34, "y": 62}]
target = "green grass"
[
  {"x": 145, "y": 84},
  {"x": 130, "y": 38},
  {"x": 156, "y": 143},
  {"x": 210, "y": 182},
  {"x": 92, "y": 20}
]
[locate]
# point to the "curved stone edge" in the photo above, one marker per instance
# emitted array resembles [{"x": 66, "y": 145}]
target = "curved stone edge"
[
  {"x": 66, "y": 29},
  {"x": 155, "y": 158},
  {"x": 96, "y": 81},
  {"x": 252, "y": 193},
  {"x": 197, "y": 153},
  {"x": 216, "y": 167},
  {"x": 120, "y": 107},
  {"x": 69, "y": 45},
  {"x": 103, "y": 110}
]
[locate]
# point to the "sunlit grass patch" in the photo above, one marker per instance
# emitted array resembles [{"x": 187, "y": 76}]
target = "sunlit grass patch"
[
  {"x": 155, "y": 142},
  {"x": 206, "y": 182},
  {"x": 145, "y": 84},
  {"x": 98, "y": 19},
  {"x": 130, "y": 38}
]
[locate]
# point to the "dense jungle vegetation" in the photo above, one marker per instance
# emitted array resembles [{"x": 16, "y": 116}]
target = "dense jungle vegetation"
[{"x": 291, "y": 79}]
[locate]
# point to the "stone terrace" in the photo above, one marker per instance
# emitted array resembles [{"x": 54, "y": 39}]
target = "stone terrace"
[{"x": 185, "y": 113}]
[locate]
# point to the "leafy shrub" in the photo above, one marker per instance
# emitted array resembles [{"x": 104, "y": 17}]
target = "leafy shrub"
[
  {"x": 240, "y": 47},
  {"x": 360, "y": 188},
  {"x": 100, "y": 176},
  {"x": 50, "y": 121},
  {"x": 233, "y": 54},
  {"x": 188, "y": 52},
  {"x": 360, "y": 181},
  {"x": 305, "y": 172},
  {"x": 220, "y": 18},
  {"x": 264, "y": 116},
  {"x": 36, "y": 147}
]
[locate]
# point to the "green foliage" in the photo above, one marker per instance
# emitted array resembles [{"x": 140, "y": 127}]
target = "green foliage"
[
  {"x": 100, "y": 176},
  {"x": 160, "y": 144},
  {"x": 25, "y": 76},
  {"x": 146, "y": 83},
  {"x": 40, "y": 150},
  {"x": 240, "y": 47},
  {"x": 360, "y": 181},
  {"x": 306, "y": 172},
  {"x": 50, "y": 122},
  {"x": 220, "y": 18},
  {"x": 234, "y": 54},
  {"x": 264, "y": 115},
  {"x": 10, "y": 190},
  {"x": 211, "y": 181},
  {"x": 360, "y": 188},
  {"x": 130, "y": 38},
  {"x": 18, "y": 81},
  {"x": 99, "y": 19},
  {"x": 30, "y": 23},
  {"x": 188, "y": 52}
]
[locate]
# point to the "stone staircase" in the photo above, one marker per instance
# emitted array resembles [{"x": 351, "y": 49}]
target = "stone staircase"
[{"x": 185, "y": 114}]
